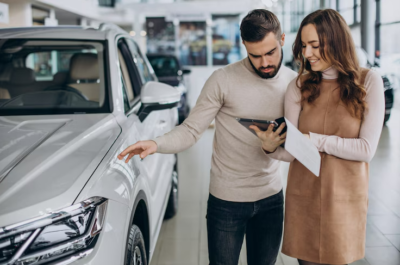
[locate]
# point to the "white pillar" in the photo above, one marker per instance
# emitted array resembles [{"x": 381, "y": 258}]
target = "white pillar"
[
  {"x": 209, "y": 40},
  {"x": 368, "y": 17},
  {"x": 51, "y": 21},
  {"x": 20, "y": 13}
]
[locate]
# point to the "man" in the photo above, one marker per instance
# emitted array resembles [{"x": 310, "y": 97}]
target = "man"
[{"x": 245, "y": 186}]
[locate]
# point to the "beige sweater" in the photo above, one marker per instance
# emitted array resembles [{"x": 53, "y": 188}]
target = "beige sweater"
[{"x": 240, "y": 170}]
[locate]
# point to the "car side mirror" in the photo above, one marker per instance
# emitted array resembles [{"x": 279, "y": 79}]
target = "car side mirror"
[
  {"x": 186, "y": 71},
  {"x": 157, "y": 96}
]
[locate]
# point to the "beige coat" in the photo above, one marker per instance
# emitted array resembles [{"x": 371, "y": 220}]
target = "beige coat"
[{"x": 325, "y": 217}]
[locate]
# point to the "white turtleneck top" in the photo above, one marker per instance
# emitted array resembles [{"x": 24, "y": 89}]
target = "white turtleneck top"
[{"x": 356, "y": 149}]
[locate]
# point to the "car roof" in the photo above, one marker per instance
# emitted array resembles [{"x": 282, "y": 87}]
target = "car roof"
[{"x": 60, "y": 32}]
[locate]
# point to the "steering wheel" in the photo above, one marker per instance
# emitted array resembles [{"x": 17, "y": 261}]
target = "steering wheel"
[{"x": 67, "y": 88}]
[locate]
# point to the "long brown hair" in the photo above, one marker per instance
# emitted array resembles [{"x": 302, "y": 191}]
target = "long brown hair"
[{"x": 336, "y": 46}]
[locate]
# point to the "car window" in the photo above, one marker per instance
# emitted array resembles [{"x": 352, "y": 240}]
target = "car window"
[
  {"x": 46, "y": 64},
  {"x": 124, "y": 94},
  {"x": 39, "y": 77},
  {"x": 145, "y": 71},
  {"x": 126, "y": 77}
]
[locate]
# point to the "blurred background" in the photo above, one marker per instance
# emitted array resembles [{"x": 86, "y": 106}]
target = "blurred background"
[
  {"x": 204, "y": 35},
  {"x": 196, "y": 37}
]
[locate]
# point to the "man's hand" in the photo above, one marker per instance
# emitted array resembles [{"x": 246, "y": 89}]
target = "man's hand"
[
  {"x": 141, "y": 148},
  {"x": 270, "y": 139}
]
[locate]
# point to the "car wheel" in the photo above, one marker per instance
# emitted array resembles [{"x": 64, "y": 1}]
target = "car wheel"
[
  {"x": 136, "y": 249},
  {"x": 387, "y": 116},
  {"x": 172, "y": 207}
]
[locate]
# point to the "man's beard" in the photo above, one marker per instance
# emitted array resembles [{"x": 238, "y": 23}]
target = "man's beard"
[{"x": 270, "y": 74}]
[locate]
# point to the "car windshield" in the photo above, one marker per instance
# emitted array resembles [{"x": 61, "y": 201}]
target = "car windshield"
[
  {"x": 164, "y": 65},
  {"x": 52, "y": 77}
]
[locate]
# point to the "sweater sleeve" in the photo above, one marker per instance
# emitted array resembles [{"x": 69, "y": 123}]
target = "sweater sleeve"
[
  {"x": 210, "y": 101},
  {"x": 364, "y": 147},
  {"x": 292, "y": 112}
]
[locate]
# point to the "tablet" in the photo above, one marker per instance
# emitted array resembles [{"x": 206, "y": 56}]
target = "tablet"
[{"x": 262, "y": 124}]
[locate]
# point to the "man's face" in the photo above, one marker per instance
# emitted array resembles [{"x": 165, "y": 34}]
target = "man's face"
[{"x": 266, "y": 55}]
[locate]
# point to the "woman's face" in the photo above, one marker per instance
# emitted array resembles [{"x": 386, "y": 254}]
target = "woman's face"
[{"x": 310, "y": 42}]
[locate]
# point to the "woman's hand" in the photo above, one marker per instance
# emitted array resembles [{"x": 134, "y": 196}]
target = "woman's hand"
[{"x": 270, "y": 139}]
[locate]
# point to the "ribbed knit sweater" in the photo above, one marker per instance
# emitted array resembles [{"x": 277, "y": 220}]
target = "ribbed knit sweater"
[{"x": 240, "y": 170}]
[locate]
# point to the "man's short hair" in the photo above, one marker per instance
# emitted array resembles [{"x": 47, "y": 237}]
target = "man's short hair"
[{"x": 257, "y": 24}]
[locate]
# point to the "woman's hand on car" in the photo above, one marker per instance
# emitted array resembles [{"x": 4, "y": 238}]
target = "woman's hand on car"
[
  {"x": 141, "y": 148},
  {"x": 270, "y": 139}
]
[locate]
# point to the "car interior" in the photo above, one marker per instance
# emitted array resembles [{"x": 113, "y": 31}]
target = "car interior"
[{"x": 34, "y": 75}]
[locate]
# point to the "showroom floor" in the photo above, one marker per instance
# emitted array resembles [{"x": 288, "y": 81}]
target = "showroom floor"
[{"x": 183, "y": 239}]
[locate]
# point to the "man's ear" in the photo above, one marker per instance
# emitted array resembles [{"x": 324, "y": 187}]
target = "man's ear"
[{"x": 282, "y": 41}]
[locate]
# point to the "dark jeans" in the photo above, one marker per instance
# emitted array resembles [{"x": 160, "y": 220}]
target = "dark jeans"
[{"x": 228, "y": 222}]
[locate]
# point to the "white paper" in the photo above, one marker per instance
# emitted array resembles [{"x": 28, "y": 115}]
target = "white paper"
[{"x": 302, "y": 149}]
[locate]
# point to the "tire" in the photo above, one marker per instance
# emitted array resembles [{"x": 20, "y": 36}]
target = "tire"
[
  {"x": 172, "y": 206},
  {"x": 387, "y": 116},
  {"x": 136, "y": 250}
]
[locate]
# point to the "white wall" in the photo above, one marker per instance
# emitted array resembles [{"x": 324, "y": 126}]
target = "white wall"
[{"x": 20, "y": 13}]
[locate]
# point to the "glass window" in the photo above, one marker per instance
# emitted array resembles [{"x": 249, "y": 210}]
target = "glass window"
[
  {"x": 126, "y": 77},
  {"x": 126, "y": 100},
  {"x": 390, "y": 38},
  {"x": 390, "y": 11},
  {"x": 160, "y": 36},
  {"x": 193, "y": 43},
  {"x": 145, "y": 70},
  {"x": 52, "y": 77},
  {"x": 47, "y": 64},
  {"x": 225, "y": 39}
]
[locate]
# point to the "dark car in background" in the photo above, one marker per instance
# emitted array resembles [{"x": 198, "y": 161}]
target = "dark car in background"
[
  {"x": 388, "y": 86},
  {"x": 169, "y": 71}
]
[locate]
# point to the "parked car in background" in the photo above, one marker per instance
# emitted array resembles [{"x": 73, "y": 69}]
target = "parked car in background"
[
  {"x": 390, "y": 64},
  {"x": 387, "y": 84},
  {"x": 169, "y": 71},
  {"x": 64, "y": 195}
]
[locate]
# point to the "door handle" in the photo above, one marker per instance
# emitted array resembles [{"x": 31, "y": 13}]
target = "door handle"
[{"x": 162, "y": 124}]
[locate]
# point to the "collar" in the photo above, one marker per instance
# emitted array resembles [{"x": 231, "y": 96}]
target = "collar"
[{"x": 330, "y": 73}]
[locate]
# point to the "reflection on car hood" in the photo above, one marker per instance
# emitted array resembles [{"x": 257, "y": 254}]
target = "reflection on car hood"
[{"x": 45, "y": 161}]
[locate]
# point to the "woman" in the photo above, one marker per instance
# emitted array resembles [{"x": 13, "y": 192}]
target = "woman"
[{"x": 340, "y": 107}]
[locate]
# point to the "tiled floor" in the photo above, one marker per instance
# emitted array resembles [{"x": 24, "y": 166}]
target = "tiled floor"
[{"x": 183, "y": 239}]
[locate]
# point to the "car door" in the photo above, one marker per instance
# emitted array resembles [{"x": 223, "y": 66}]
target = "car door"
[{"x": 158, "y": 167}]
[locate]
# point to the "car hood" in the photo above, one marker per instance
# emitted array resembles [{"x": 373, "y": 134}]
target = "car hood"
[{"x": 45, "y": 161}]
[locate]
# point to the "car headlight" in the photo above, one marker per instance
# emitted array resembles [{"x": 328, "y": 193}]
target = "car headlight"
[{"x": 68, "y": 234}]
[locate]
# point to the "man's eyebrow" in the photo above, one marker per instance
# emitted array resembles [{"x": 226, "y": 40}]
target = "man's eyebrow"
[
  {"x": 271, "y": 51},
  {"x": 264, "y": 54}
]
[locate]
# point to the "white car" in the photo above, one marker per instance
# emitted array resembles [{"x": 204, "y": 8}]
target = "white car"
[{"x": 71, "y": 99}]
